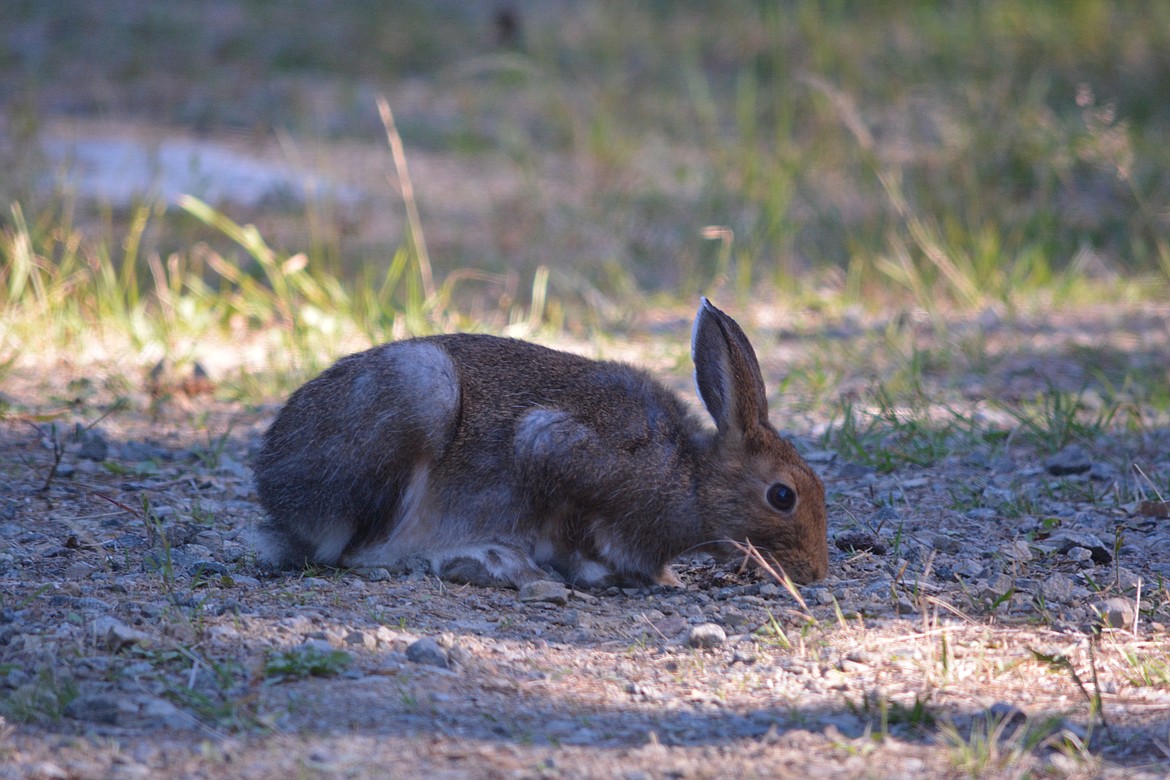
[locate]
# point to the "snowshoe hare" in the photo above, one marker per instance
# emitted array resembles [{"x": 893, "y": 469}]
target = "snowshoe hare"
[{"x": 491, "y": 457}]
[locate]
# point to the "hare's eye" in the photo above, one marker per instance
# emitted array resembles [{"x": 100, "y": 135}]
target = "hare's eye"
[{"x": 781, "y": 497}]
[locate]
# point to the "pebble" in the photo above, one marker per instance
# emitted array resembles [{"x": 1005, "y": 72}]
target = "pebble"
[
  {"x": 1116, "y": 612},
  {"x": 79, "y": 602},
  {"x": 114, "y": 635},
  {"x": 1067, "y": 540},
  {"x": 428, "y": 652},
  {"x": 860, "y": 541},
  {"x": 943, "y": 543},
  {"x": 1102, "y": 472},
  {"x": 545, "y": 591},
  {"x": 362, "y": 639},
  {"x": 1057, "y": 588},
  {"x": 1018, "y": 551},
  {"x": 207, "y": 568},
  {"x": 706, "y": 635},
  {"x": 138, "y": 451},
  {"x": 822, "y": 596},
  {"x": 99, "y": 708},
  {"x": 769, "y": 590},
  {"x": 967, "y": 569},
  {"x": 855, "y": 471},
  {"x": 93, "y": 446},
  {"x": 1071, "y": 460},
  {"x": 1003, "y": 712},
  {"x": 47, "y": 770}
]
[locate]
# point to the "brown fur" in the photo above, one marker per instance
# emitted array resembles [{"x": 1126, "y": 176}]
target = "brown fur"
[{"x": 492, "y": 457}]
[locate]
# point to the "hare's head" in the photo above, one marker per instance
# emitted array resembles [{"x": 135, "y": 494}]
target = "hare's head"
[{"x": 759, "y": 489}]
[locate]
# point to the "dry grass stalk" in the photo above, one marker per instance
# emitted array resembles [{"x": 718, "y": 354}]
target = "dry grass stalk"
[{"x": 407, "y": 188}]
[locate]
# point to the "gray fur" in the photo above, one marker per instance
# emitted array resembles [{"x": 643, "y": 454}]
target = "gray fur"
[{"x": 494, "y": 458}]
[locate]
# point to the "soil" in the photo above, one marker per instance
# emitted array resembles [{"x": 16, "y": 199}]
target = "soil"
[{"x": 978, "y": 619}]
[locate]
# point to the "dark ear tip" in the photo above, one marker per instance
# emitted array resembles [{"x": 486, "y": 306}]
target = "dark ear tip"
[{"x": 710, "y": 309}]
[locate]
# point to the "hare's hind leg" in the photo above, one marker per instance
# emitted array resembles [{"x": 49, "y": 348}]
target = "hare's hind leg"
[
  {"x": 490, "y": 564},
  {"x": 346, "y": 460}
]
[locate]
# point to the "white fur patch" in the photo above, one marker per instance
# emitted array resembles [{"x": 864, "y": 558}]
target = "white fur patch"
[
  {"x": 419, "y": 388},
  {"x": 616, "y": 555},
  {"x": 414, "y": 532},
  {"x": 331, "y": 542},
  {"x": 542, "y": 433},
  {"x": 591, "y": 572},
  {"x": 427, "y": 374},
  {"x": 543, "y": 551}
]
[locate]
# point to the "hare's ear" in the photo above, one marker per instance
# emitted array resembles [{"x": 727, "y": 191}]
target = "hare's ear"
[{"x": 727, "y": 373}]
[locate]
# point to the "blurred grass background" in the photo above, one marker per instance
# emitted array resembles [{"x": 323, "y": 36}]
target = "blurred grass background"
[{"x": 578, "y": 163}]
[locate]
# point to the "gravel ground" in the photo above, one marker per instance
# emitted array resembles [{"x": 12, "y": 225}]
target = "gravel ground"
[{"x": 978, "y": 620}]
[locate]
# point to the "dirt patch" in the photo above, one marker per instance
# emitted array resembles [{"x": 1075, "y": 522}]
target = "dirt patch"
[{"x": 979, "y": 619}]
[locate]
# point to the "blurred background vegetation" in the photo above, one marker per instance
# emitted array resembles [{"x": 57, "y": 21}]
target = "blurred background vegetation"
[{"x": 576, "y": 161}]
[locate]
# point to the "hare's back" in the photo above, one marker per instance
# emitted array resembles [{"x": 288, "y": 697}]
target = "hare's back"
[{"x": 501, "y": 377}]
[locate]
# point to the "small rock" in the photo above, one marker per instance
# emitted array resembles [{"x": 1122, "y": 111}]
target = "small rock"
[
  {"x": 1079, "y": 554},
  {"x": 544, "y": 591},
  {"x": 1066, "y": 540},
  {"x": 989, "y": 319},
  {"x": 93, "y": 446},
  {"x": 644, "y": 691},
  {"x": 1071, "y": 460},
  {"x": 1003, "y": 712},
  {"x": 706, "y": 635},
  {"x": 207, "y": 569},
  {"x": 47, "y": 770},
  {"x": 1127, "y": 578},
  {"x": 1057, "y": 588},
  {"x": 114, "y": 635},
  {"x": 79, "y": 602},
  {"x": 1115, "y": 612},
  {"x": 855, "y": 471},
  {"x": 739, "y": 656},
  {"x": 944, "y": 543},
  {"x": 860, "y": 541},
  {"x": 967, "y": 569},
  {"x": 1018, "y": 551},
  {"x": 670, "y": 626},
  {"x": 100, "y": 708},
  {"x": 998, "y": 496},
  {"x": 427, "y": 651},
  {"x": 376, "y": 574},
  {"x": 995, "y": 587},
  {"x": 386, "y": 636},
  {"x": 361, "y": 639},
  {"x": 734, "y": 619},
  {"x": 139, "y": 451},
  {"x": 1102, "y": 472},
  {"x": 160, "y": 713},
  {"x": 822, "y": 596}
]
